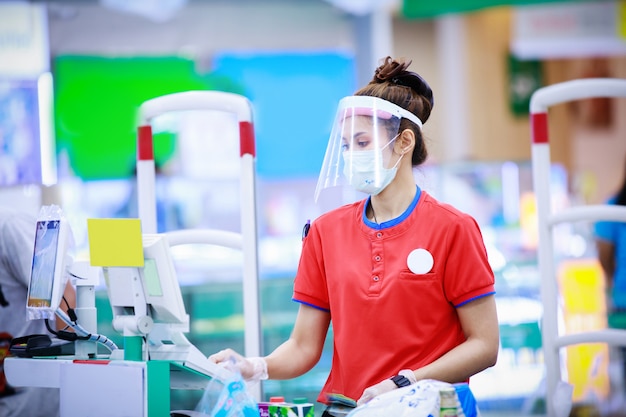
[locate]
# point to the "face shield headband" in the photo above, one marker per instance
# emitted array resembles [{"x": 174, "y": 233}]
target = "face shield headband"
[{"x": 362, "y": 123}]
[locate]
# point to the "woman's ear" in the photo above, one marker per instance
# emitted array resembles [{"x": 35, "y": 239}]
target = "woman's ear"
[{"x": 405, "y": 142}]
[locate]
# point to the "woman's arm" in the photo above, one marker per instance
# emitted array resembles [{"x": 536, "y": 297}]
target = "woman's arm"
[
  {"x": 291, "y": 359},
  {"x": 479, "y": 321},
  {"x": 304, "y": 347}
]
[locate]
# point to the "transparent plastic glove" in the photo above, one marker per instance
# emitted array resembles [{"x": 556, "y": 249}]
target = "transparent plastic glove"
[
  {"x": 384, "y": 386},
  {"x": 251, "y": 369},
  {"x": 375, "y": 390}
]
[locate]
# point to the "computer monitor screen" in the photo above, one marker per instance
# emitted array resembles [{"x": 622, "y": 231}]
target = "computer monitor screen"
[
  {"x": 151, "y": 290},
  {"x": 47, "y": 273},
  {"x": 44, "y": 259},
  {"x": 160, "y": 281}
]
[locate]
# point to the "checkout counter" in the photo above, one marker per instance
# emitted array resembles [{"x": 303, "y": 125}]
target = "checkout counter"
[{"x": 134, "y": 381}]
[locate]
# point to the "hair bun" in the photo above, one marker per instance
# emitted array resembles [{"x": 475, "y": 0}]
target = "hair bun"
[
  {"x": 395, "y": 72},
  {"x": 390, "y": 69}
]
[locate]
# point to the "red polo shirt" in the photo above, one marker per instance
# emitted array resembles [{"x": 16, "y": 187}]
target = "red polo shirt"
[{"x": 386, "y": 318}]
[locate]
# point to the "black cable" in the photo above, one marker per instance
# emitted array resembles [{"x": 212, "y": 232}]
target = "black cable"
[
  {"x": 66, "y": 303},
  {"x": 70, "y": 311},
  {"x": 65, "y": 335},
  {"x": 71, "y": 336},
  {"x": 54, "y": 332}
]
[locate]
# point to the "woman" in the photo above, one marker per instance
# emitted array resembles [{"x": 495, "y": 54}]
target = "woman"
[
  {"x": 611, "y": 245},
  {"x": 404, "y": 278}
]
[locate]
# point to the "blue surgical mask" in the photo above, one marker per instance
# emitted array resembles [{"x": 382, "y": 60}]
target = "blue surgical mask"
[{"x": 364, "y": 170}]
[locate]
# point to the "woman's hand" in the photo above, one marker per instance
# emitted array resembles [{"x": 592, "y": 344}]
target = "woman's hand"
[
  {"x": 375, "y": 390},
  {"x": 385, "y": 386},
  {"x": 251, "y": 369}
]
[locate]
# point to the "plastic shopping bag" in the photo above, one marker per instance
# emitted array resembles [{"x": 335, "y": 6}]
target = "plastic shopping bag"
[
  {"x": 466, "y": 400},
  {"x": 416, "y": 400},
  {"x": 228, "y": 399},
  {"x": 421, "y": 399}
]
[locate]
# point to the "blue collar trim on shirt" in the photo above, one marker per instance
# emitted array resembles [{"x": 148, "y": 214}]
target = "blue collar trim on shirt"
[{"x": 397, "y": 220}]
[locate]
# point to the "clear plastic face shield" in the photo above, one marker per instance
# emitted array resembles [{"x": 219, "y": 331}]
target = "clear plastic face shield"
[{"x": 360, "y": 149}]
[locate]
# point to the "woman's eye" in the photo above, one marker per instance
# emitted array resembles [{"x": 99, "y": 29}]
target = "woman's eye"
[
  {"x": 344, "y": 147},
  {"x": 362, "y": 143}
]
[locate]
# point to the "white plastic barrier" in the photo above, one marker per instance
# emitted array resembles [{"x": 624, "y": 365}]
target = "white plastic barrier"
[
  {"x": 247, "y": 239},
  {"x": 541, "y": 100}
]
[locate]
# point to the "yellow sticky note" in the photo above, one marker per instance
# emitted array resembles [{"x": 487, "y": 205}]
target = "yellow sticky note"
[{"x": 115, "y": 242}]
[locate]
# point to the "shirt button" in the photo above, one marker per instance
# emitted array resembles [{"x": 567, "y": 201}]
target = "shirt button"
[
  {"x": 379, "y": 235},
  {"x": 377, "y": 258},
  {"x": 376, "y": 278}
]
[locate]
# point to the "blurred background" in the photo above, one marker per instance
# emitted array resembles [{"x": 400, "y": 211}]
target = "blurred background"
[{"x": 73, "y": 74}]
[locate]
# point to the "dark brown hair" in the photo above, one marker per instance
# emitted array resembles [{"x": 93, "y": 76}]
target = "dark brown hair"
[{"x": 394, "y": 83}]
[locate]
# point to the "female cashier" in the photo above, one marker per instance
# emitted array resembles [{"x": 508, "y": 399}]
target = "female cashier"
[{"x": 403, "y": 277}]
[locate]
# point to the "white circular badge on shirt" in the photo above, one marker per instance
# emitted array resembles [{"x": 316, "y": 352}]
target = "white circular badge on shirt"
[{"x": 420, "y": 261}]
